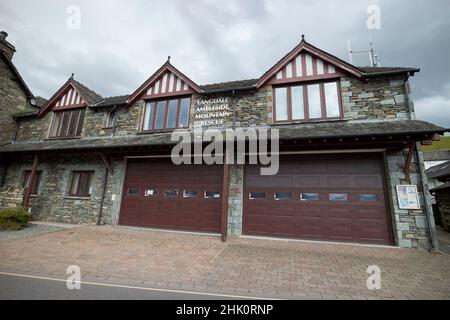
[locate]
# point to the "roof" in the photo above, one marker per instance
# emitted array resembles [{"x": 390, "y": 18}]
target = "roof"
[
  {"x": 39, "y": 101},
  {"x": 90, "y": 96},
  {"x": 298, "y": 132},
  {"x": 438, "y": 171},
  {"x": 167, "y": 66},
  {"x": 306, "y": 46},
  {"x": 441, "y": 187},
  {"x": 384, "y": 71},
  {"x": 16, "y": 73},
  {"x": 111, "y": 101},
  {"x": 229, "y": 85}
]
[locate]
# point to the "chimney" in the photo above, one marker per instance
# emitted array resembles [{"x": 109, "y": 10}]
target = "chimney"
[{"x": 6, "y": 46}]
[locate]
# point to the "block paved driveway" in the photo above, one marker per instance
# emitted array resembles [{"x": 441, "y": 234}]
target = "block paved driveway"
[{"x": 256, "y": 267}]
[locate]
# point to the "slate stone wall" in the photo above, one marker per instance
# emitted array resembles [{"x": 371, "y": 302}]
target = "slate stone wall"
[
  {"x": 13, "y": 100},
  {"x": 53, "y": 202},
  {"x": 410, "y": 226}
]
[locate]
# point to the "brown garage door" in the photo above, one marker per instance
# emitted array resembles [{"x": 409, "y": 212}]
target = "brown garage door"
[
  {"x": 340, "y": 199},
  {"x": 160, "y": 194}
]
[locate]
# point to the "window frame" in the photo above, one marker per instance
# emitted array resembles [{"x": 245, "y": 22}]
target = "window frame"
[
  {"x": 85, "y": 193},
  {"x": 25, "y": 179},
  {"x": 67, "y": 115},
  {"x": 306, "y": 117},
  {"x": 166, "y": 113},
  {"x": 110, "y": 123}
]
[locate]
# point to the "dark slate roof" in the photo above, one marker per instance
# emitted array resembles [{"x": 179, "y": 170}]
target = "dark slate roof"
[
  {"x": 229, "y": 85},
  {"x": 357, "y": 129},
  {"x": 39, "y": 101},
  {"x": 111, "y": 101},
  {"x": 301, "y": 131},
  {"x": 441, "y": 187},
  {"x": 385, "y": 71},
  {"x": 89, "y": 95},
  {"x": 440, "y": 170}
]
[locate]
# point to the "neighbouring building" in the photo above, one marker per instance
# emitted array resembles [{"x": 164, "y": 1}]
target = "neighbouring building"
[
  {"x": 439, "y": 184},
  {"x": 351, "y": 168}
]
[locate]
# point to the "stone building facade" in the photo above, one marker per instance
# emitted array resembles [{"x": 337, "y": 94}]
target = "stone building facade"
[
  {"x": 15, "y": 96},
  {"x": 376, "y": 117}
]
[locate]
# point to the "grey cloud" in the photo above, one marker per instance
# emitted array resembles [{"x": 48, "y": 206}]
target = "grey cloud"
[{"x": 121, "y": 43}]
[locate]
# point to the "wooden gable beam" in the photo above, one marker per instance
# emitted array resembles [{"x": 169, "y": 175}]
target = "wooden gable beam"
[
  {"x": 156, "y": 76},
  {"x": 314, "y": 51}
]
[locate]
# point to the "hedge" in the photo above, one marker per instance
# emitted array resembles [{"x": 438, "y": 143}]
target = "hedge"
[{"x": 14, "y": 218}]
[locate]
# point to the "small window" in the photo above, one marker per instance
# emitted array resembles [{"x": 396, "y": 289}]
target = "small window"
[
  {"x": 171, "y": 193},
  {"x": 337, "y": 197},
  {"x": 211, "y": 194},
  {"x": 111, "y": 119},
  {"x": 282, "y": 195},
  {"x": 35, "y": 186},
  {"x": 368, "y": 197},
  {"x": 133, "y": 191},
  {"x": 309, "y": 196},
  {"x": 151, "y": 192},
  {"x": 257, "y": 195},
  {"x": 190, "y": 194},
  {"x": 80, "y": 184}
]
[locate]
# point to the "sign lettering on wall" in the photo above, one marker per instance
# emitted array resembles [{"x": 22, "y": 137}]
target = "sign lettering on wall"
[{"x": 212, "y": 112}]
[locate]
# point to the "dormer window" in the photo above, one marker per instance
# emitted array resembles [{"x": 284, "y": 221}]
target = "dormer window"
[
  {"x": 166, "y": 114},
  {"x": 67, "y": 123},
  {"x": 307, "y": 101}
]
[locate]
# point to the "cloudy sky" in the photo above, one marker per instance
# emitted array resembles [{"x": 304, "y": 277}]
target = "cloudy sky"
[{"x": 121, "y": 43}]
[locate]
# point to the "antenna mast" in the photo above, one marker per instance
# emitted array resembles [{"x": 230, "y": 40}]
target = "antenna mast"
[{"x": 374, "y": 58}]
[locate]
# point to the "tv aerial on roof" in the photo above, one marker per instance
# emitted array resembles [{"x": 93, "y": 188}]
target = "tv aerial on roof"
[{"x": 374, "y": 58}]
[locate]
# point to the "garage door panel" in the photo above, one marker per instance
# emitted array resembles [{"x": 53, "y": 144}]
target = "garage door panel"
[
  {"x": 192, "y": 212},
  {"x": 339, "y": 198},
  {"x": 337, "y": 181}
]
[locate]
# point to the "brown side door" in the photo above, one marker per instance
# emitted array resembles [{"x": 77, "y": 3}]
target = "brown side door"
[
  {"x": 160, "y": 194},
  {"x": 337, "y": 198}
]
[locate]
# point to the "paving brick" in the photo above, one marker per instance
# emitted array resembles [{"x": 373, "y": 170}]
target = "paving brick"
[{"x": 258, "y": 267}]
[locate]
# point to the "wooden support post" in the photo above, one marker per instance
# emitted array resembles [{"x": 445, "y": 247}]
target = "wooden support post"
[
  {"x": 412, "y": 145},
  {"x": 31, "y": 182},
  {"x": 224, "y": 223}
]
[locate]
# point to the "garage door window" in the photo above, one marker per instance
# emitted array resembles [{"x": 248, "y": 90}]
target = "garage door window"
[
  {"x": 368, "y": 197},
  {"x": 309, "y": 196},
  {"x": 151, "y": 192},
  {"x": 338, "y": 197},
  {"x": 190, "y": 194},
  {"x": 282, "y": 196},
  {"x": 211, "y": 194},
  {"x": 257, "y": 195},
  {"x": 133, "y": 192},
  {"x": 171, "y": 193}
]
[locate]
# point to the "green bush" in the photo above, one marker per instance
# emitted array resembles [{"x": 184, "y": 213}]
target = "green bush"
[{"x": 14, "y": 218}]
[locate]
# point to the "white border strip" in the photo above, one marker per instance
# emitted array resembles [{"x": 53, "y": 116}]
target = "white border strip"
[
  {"x": 322, "y": 242},
  {"x": 169, "y": 230},
  {"x": 139, "y": 288}
]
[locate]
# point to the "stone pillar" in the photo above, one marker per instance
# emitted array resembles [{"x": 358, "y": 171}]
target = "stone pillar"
[{"x": 235, "y": 199}]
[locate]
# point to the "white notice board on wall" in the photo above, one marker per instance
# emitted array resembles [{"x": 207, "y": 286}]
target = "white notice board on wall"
[{"x": 407, "y": 196}]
